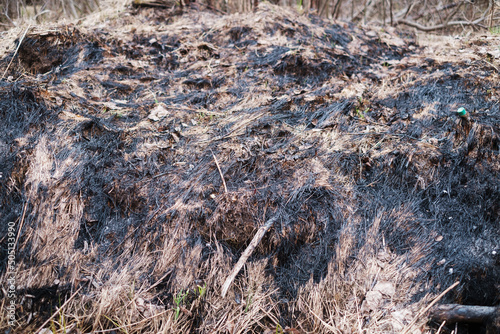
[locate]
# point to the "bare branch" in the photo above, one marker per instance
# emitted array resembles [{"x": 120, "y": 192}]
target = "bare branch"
[{"x": 449, "y": 24}]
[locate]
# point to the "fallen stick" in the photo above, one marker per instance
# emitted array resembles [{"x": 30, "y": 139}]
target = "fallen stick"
[
  {"x": 246, "y": 254},
  {"x": 463, "y": 313}
]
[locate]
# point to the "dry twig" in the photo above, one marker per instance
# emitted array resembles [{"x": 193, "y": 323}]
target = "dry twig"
[{"x": 246, "y": 254}]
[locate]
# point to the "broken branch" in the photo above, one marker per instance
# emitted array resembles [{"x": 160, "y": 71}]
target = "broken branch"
[{"x": 448, "y": 24}]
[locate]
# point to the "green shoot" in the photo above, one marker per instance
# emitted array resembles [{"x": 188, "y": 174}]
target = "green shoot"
[
  {"x": 361, "y": 114},
  {"x": 201, "y": 290},
  {"x": 495, "y": 30},
  {"x": 248, "y": 303},
  {"x": 178, "y": 300}
]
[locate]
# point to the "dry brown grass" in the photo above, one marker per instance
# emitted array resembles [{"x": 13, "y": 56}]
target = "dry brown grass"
[
  {"x": 347, "y": 135},
  {"x": 14, "y": 12}
]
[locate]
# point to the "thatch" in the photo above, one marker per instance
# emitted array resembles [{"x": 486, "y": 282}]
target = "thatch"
[{"x": 349, "y": 136}]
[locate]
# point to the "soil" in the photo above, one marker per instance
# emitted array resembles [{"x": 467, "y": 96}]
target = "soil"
[{"x": 111, "y": 137}]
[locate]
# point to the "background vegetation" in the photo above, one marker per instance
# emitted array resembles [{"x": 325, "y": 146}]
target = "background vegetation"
[
  {"x": 47, "y": 10},
  {"x": 429, "y": 15}
]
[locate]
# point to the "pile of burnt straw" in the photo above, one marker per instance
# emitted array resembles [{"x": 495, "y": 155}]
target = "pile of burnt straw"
[{"x": 139, "y": 157}]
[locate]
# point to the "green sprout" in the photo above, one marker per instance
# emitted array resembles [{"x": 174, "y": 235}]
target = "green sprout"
[
  {"x": 116, "y": 324},
  {"x": 154, "y": 96},
  {"x": 202, "y": 290},
  {"x": 361, "y": 114},
  {"x": 248, "y": 302},
  {"x": 495, "y": 30},
  {"x": 179, "y": 300}
]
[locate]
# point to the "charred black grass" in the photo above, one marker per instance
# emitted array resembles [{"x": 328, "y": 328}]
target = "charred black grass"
[{"x": 351, "y": 142}]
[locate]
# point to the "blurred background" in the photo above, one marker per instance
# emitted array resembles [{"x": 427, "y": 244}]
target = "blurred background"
[{"x": 443, "y": 16}]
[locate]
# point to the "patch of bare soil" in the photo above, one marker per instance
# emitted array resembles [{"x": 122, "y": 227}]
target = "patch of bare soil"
[{"x": 140, "y": 157}]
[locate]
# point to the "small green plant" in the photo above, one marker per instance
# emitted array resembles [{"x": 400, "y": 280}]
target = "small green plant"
[
  {"x": 248, "y": 302},
  {"x": 179, "y": 299},
  {"x": 202, "y": 290},
  {"x": 495, "y": 30},
  {"x": 61, "y": 323},
  {"x": 154, "y": 96},
  {"x": 279, "y": 329},
  {"x": 53, "y": 328},
  {"x": 117, "y": 114},
  {"x": 361, "y": 114}
]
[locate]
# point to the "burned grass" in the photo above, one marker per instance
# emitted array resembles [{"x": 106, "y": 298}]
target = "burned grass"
[{"x": 348, "y": 137}]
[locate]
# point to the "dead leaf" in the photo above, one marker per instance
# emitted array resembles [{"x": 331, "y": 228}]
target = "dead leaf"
[
  {"x": 159, "y": 112},
  {"x": 373, "y": 300},
  {"x": 386, "y": 288}
]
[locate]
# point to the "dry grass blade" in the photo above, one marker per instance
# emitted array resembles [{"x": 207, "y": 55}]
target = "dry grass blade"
[
  {"x": 59, "y": 310},
  {"x": 21, "y": 224},
  {"x": 220, "y": 172},
  {"x": 124, "y": 327},
  {"x": 328, "y": 326},
  {"x": 422, "y": 312},
  {"x": 15, "y": 52},
  {"x": 440, "y": 327}
]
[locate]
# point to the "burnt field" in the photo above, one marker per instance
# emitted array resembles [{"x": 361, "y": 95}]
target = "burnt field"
[{"x": 140, "y": 156}]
